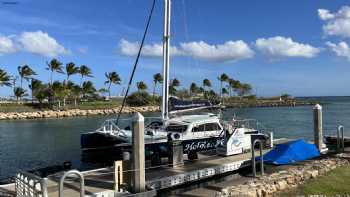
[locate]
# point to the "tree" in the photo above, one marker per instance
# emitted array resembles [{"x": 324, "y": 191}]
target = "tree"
[
  {"x": 84, "y": 71},
  {"x": 285, "y": 96},
  {"x": 222, "y": 78},
  {"x": 141, "y": 86},
  {"x": 206, "y": 83},
  {"x": 103, "y": 91},
  {"x": 42, "y": 93},
  {"x": 193, "y": 89},
  {"x": 231, "y": 84},
  {"x": 34, "y": 86},
  {"x": 59, "y": 91},
  {"x": 173, "y": 86},
  {"x": 112, "y": 78},
  {"x": 25, "y": 72},
  {"x": 19, "y": 93},
  {"x": 236, "y": 86},
  {"x": 245, "y": 89},
  {"x": 54, "y": 66},
  {"x": 88, "y": 88},
  {"x": 224, "y": 91},
  {"x": 5, "y": 79},
  {"x": 157, "y": 78},
  {"x": 71, "y": 69},
  {"x": 75, "y": 91}
]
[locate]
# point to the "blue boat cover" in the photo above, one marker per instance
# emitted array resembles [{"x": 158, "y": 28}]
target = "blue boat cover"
[{"x": 291, "y": 152}]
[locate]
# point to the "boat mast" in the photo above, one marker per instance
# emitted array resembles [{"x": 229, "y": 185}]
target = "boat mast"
[{"x": 166, "y": 59}]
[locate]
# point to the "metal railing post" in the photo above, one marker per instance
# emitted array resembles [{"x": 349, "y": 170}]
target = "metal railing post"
[
  {"x": 338, "y": 138},
  {"x": 342, "y": 139},
  {"x": 253, "y": 160},
  {"x": 82, "y": 184},
  {"x": 271, "y": 139},
  {"x": 261, "y": 157},
  {"x": 44, "y": 187}
]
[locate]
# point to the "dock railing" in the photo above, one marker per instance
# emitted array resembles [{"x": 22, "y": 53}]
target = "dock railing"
[
  {"x": 72, "y": 172},
  {"x": 30, "y": 185},
  {"x": 337, "y": 134}
]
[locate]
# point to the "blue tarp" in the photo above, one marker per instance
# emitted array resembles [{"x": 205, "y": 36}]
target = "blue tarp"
[{"x": 291, "y": 152}]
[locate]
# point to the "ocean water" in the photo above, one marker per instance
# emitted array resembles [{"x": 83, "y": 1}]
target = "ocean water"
[{"x": 29, "y": 144}]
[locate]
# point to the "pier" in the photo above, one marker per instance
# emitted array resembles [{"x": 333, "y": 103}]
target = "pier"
[{"x": 100, "y": 182}]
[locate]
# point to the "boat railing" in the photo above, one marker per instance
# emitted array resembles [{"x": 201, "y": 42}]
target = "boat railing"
[{"x": 250, "y": 124}]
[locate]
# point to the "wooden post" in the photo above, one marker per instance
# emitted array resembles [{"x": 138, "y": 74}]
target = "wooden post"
[
  {"x": 318, "y": 130},
  {"x": 138, "y": 154},
  {"x": 175, "y": 157},
  {"x": 118, "y": 175}
]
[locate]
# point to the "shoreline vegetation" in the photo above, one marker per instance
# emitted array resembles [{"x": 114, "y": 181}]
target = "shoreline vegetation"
[
  {"x": 11, "y": 111},
  {"x": 75, "y": 95}
]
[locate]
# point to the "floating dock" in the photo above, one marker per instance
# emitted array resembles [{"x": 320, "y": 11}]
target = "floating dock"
[{"x": 100, "y": 182}]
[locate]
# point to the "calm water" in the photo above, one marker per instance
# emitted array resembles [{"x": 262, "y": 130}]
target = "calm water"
[{"x": 28, "y": 144}]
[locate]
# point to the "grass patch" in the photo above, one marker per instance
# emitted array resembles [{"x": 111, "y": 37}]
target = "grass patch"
[{"x": 336, "y": 182}]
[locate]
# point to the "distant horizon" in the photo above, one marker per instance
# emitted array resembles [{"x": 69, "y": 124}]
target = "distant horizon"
[{"x": 299, "y": 48}]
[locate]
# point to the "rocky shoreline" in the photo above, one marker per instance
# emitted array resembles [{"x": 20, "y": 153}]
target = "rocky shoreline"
[
  {"x": 142, "y": 109},
  {"x": 73, "y": 112},
  {"x": 269, "y": 104},
  {"x": 292, "y": 177}
]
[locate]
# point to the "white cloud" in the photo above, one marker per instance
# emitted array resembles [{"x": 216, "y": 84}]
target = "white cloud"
[
  {"x": 337, "y": 24},
  {"x": 40, "y": 43},
  {"x": 229, "y": 51},
  {"x": 325, "y": 14},
  {"x": 149, "y": 50},
  {"x": 341, "y": 49},
  {"x": 279, "y": 46},
  {"x": 6, "y": 45}
]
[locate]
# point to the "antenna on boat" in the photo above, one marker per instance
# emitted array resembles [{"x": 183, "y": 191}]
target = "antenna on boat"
[{"x": 166, "y": 59}]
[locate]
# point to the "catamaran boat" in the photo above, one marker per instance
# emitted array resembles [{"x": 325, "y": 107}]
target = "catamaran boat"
[
  {"x": 114, "y": 132},
  {"x": 197, "y": 132}
]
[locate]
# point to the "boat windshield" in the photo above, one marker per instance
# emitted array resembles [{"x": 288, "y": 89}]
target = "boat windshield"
[{"x": 176, "y": 128}]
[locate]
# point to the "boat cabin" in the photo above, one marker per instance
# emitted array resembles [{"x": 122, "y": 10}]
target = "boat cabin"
[{"x": 194, "y": 127}]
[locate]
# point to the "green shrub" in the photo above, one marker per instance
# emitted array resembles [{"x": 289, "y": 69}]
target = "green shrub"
[{"x": 139, "y": 99}]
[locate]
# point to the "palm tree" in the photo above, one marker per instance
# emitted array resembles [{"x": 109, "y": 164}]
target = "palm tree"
[
  {"x": 206, "y": 83},
  {"x": 231, "y": 85},
  {"x": 112, "y": 78},
  {"x": 224, "y": 91},
  {"x": 54, "y": 66},
  {"x": 193, "y": 89},
  {"x": 71, "y": 69},
  {"x": 5, "y": 79},
  {"x": 34, "y": 86},
  {"x": 58, "y": 90},
  {"x": 222, "y": 78},
  {"x": 141, "y": 86},
  {"x": 25, "y": 72},
  {"x": 19, "y": 93},
  {"x": 173, "y": 85},
  {"x": 42, "y": 93},
  {"x": 84, "y": 71},
  {"x": 88, "y": 88},
  {"x": 75, "y": 91},
  {"x": 157, "y": 78},
  {"x": 245, "y": 89},
  {"x": 236, "y": 86}
]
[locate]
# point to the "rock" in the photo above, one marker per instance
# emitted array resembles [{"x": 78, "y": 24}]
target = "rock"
[{"x": 281, "y": 185}]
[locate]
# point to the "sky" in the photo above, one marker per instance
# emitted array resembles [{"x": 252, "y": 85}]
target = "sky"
[{"x": 297, "y": 47}]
